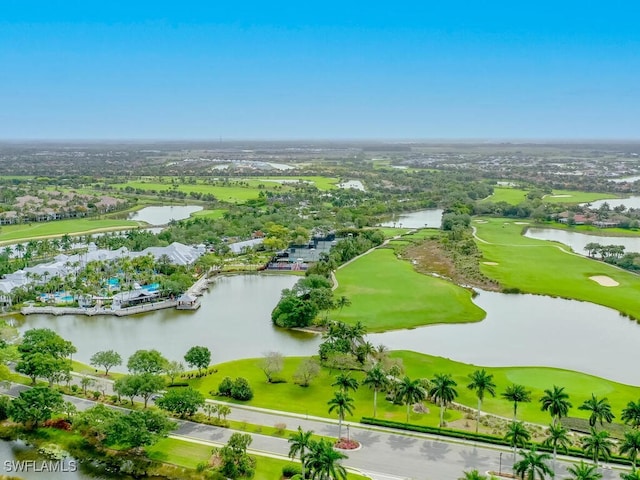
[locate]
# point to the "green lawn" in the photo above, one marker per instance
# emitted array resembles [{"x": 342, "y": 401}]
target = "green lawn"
[
  {"x": 387, "y": 293},
  {"x": 212, "y": 214},
  {"x": 538, "y": 266},
  {"x": 390, "y": 232},
  {"x": 591, "y": 230},
  {"x": 313, "y": 399},
  {"x": 578, "y": 385},
  {"x": 12, "y": 233},
  {"x": 189, "y": 454},
  {"x": 310, "y": 400},
  {"x": 513, "y": 196}
]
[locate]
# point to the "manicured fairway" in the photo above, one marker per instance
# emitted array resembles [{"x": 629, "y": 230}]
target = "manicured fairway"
[
  {"x": 313, "y": 399},
  {"x": 212, "y": 214},
  {"x": 513, "y": 196},
  {"x": 387, "y": 293},
  {"x": 60, "y": 227},
  {"x": 537, "y": 266},
  {"x": 578, "y": 385}
]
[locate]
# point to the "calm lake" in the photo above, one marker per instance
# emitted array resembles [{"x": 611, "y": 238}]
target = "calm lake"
[
  {"x": 234, "y": 322},
  {"x": 431, "y": 217},
  {"x": 577, "y": 240},
  {"x": 630, "y": 202},
  {"x": 161, "y": 215}
]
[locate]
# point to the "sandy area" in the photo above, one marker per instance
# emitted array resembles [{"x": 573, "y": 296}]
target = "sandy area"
[
  {"x": 560, "y": 196},
  {"x": 521, "y": 223},
  {"x": 480, "y": 221},
  {"x": 490, "y": 263},
  {"x": 604, "y": 281}
]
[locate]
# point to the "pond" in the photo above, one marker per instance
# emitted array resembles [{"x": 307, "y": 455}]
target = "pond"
[
  {"x": 629, "y": 202},
  {"x": 578, "y": 240},
  {"x": 430, "y": 217},
  {"x": 234, "y": 322},
  {"x": 161, "y": 215},
  {"x": 32, "y": 464},
  {"x": 630, "y": 179},
  {"x": 533, "y": 330}
]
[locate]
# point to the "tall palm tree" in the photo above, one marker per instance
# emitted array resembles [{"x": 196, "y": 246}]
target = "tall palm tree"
[
  {"x": 597, "y": 444},
  {"x": 533, "y": 465},
  {"x": 481, "y": 382},
  {"x": 517, "y": 394},
  {"x": 584, "y": 471},
  {"x": 410, "y": 392},
  {"x": 517, "y": 435},
  {"x": 300, "y": 442},
  {"x": 345, "y": 382},
  {"x": 630, "y": 446},
  {"x": 342, "y": 403},
  {"x": 600, "y": 410},
  {"x": 556, "y": 402},
  {"x": 442, "y": 391},
  {"x": 322, "y": 462},
  {"x": 631, "y": 414},
  {"x": 376, "y": 378},
  {"x": 558, "y": 437}
]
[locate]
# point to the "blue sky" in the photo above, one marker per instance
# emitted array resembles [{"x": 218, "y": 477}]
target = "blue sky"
[{"x": 319, "y": 70}]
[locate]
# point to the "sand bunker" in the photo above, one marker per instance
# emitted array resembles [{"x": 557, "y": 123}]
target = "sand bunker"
[
  {"x": 490, "y": 263},
  {"x": 480, "y": 221},
  {"x": 604, "y": 281},
  {"x": 521, "y": 223},
  {"x": 560, "y": 196}
]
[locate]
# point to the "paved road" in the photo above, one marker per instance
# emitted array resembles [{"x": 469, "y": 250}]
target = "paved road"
[{"x": 385, "y": 454}]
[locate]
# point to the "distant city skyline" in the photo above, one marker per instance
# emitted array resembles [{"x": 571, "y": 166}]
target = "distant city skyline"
[{"x": 421, "y": 71}]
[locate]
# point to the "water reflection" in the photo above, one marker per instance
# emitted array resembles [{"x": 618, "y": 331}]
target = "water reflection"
[
  {"x": 431, "y": 217},
  {"x": 161, "y": 215},
  {"x": 578, "y": 240}
]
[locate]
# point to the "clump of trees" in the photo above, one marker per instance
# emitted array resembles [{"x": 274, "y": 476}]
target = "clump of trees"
[
  {"x": 44, "y": 354},
  {"x": 300, "y": 305},
  {"x": 238, "y": 389}
]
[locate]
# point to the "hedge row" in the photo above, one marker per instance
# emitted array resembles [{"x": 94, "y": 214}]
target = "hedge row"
[{"x": 480, "y": 437}]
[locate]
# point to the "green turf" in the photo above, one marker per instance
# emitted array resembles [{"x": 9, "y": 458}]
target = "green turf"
[
  {"x": 212, "y": 214},
  {"x": 513, "y": 196},
  {"x": 591, "y": 230},
  {"x": 390, "y": 232},
  {"x": 387, "y": 293},
  {"x": 188, "y": 454},
  {"x": 578, "y": 385},
  {"x": 310, "y": 400},
  {"x": 60, "y": 227},
  {"x": 542, "y": 267}
]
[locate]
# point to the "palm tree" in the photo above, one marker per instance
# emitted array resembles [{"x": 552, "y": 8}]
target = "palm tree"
[
  {"x": 584, "y": 471},
  {"x": 345, "y": 382},
  {"x": 632, "y": 475},
  {"x": 597, "y": 444},
  {"x": 481, "y": 381},
  {"x": 517, "y": 435},
  {"x": 410, "y": 392},
  {"x": 517, "y": 394},
  {"x": 299, "y": 441},
  {"x": 376, "y": 378},
  {"x": 343, "y": 403},
  {"x": 533, "y": 465},
  {"x": 472, "y": 475},
  {"x": 631, "y": 446},
  {"x": 322, "y": 462},
  {"x": 556, "y": 402},
  {"x": 443, "y": 392},
  {"x": 557, "y": 438},
  {"x": 600, "y": 410},
  {"x": 631, "y": 414}
]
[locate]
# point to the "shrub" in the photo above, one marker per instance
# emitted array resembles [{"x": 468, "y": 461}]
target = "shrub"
[
  {"x": 178, "y": 384},
  {"x": 96, "y": 395},
  {"x": 290, "y": 469},
  {"x": 59, "y": 423},
  {"x": 241, "y": 390},
  {"x": 114, "y": 398},
  {"x": 4, "y": 407},
  {"x": 280, "y": 428},
  {"x": 225, "y": 387},
  {"x": 75, "y": 388}
]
